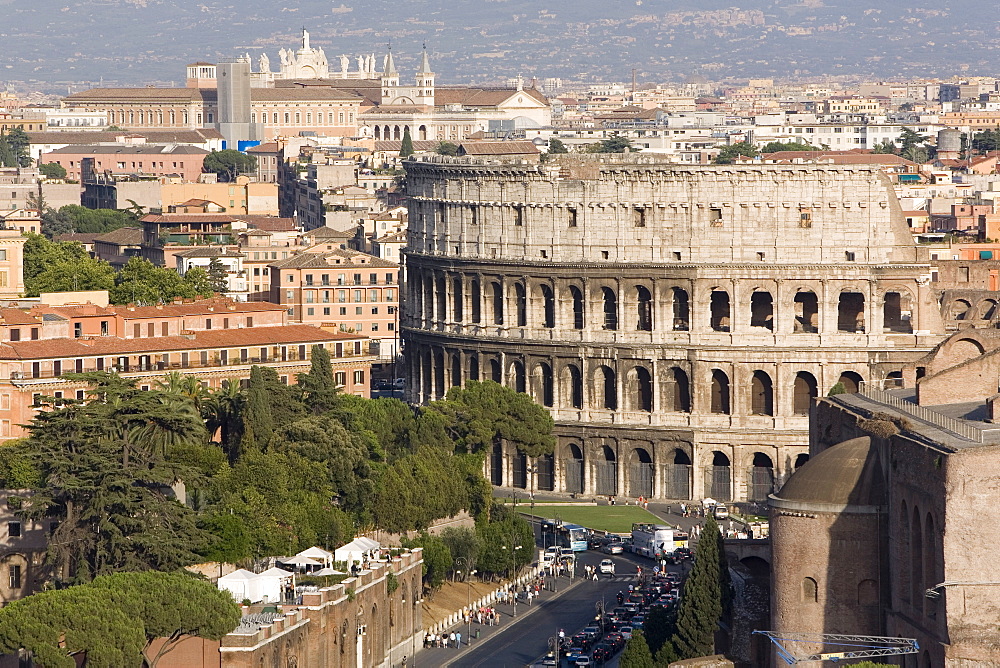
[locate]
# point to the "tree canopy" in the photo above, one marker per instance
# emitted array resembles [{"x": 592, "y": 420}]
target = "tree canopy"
[
  {"x": 704, "y": 597},
  {"x": 611, "y": 145},
  {"x": 406, "y": 149},
  {"x": 14, "y": 148},
  {"x": 557, "y": 146},
  {"x": 52, "y": 170},
  {"x": 446, "y": 148},
  {"x": 775, "y": 146},
  {"x": 60, "y": 266},
  {"x": 229, "y": 164},
  {"x": 728, "y": 154},
  {"x": 142, "y": 282}
]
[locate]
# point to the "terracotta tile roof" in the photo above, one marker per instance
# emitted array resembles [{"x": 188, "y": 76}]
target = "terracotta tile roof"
[
  {"x": 79, "y": 237},
  {"x": 152, "y": 136},
  {"x": 270, "y": 223},
  {"x": 327, "y": 233},
  {"x": 123, "y": 236},
  {"x": 305, "y": 94},
  {"x": 269, "y": 147},
  {"x": 131, "y": 149},
  {"x": 419, "y": 145},
  {"x": 187, "y": 218},
  {"x": 499, "y": 148},
  {"x": 217, "y": 338},
  {"x": 199, "y": 307},
  {"x": 16, "y": 316},
  {"x": 76, "y": 310},
  {"x": 327, "y": 259},
  {"x": 209, "y": 252},
  {"x": 144, "y": 94}
]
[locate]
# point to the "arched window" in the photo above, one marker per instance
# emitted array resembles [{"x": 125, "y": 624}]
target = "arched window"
[
  {"x": 606, "y": 389},
  {"x": 548, "y": 307},
  {"x": 476, "y": 298},
  {"x": 803, "y": 393},
  {"x": 572, "y": 386},
  {"x": 497, "y": 303},
  {"x": 896, "y": 311},
  {"x": 576, "y": 295},
  {"x": 474, "y": 367},
  {"x": 456, "y": 370},
  {"x": 573, "y": 469},
  {"x": 457, "y": 297},
  {"x": 678, "y": 391},
  {"x": 762, "y": 310},
  {"x": 719, "y": 303},
  {"x": 761, "y": 394},
  {"x": 543, "y": 384},
  {"x": 517, "y": 379},
  {"x": 610, "y": 308},
  {"x": 678, "y": 476},
  {"x": 720, "y": 392},
  {"x": 801, "y": 459},
  {"x": 438, "y": 374},
  {"x": 520, "y": 305},
  {"x": 806, "y": 312},
  {"x": 810, "y": 592},
  {"x": 496, "y": 374},
  {"x": 606, "y": 468},
  {"x": 719, "y": 476},
  {"x": 679, "y": 307},
  {"x": 851, "y": 381},
  {"x": 641, "y": 384},
  {"x": 851, "y": 312},
  {"x": 987, "y": 309},
  {"x": 442, "y": 300},
  {"x": 960, "y": 309},
  {"x": 644, "y": 309},
  {"x": 640, "y": 474},
  {"x": 761, "y": 477}
]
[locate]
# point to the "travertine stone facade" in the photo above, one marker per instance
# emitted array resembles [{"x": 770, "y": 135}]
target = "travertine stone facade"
[{"x": 677, "y": 320}]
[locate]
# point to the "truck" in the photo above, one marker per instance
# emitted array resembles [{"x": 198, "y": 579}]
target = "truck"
[{"x": 656, "y": 540}]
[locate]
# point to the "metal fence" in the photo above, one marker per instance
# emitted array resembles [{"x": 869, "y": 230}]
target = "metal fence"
[{"x": 924, "y": 414}]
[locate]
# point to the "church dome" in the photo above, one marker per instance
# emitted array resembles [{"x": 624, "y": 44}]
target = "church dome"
[{"x": 847, "y": 474}]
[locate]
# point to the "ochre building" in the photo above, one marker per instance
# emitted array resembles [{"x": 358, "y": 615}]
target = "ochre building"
[{"x": 678, "y": 321}]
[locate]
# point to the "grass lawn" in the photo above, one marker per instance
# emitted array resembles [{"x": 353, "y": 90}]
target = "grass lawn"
[{"x": 616, "y": 519}]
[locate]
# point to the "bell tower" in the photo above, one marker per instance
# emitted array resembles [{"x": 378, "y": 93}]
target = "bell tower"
[
  {"x": 424, "y": 93},
  {"x": 390, "y": 79}
]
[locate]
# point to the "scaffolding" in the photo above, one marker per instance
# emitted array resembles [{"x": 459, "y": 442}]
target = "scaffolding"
[{"x": 839, "y": 646}]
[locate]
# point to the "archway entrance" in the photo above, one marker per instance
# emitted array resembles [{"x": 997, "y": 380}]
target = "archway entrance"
[
  {"x": 574, "y": 470},
  {"x": 496, "y": 465},
  {"x": 545, "y": 480},
  {"x": 761, "y": 477},
  {"x": 520, "y": 470},
  {"x": 678, "y": 478},
  {"x": 606, "y": 469},
  {"x": 641, "y": 474},
  {"x": 718, "y": 476}
]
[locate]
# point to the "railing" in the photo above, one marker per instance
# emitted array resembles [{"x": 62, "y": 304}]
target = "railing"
[{"x": 924, "y": 414}]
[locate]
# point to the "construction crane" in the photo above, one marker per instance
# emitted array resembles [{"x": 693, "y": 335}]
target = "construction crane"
[{"x": 850, "y": 646}]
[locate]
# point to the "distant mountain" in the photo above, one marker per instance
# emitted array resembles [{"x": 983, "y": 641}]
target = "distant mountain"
[{"x": 133, "y": 42}]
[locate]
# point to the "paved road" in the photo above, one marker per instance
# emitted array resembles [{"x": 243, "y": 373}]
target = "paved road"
[{"x": 517, "y": 643}]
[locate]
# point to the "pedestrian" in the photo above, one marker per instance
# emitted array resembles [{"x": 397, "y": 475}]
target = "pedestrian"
[
  {"x": 458, "y": 640},
  {"x": 595, "y": 575},
  {"x": 451, "y": 640}
]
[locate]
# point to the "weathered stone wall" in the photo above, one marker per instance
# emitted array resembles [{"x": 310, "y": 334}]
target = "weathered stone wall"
[{"x": 676, "y": 320}]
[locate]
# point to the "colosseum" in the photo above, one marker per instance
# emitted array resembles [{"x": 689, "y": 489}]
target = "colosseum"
[{"x": 677, "y": 321}]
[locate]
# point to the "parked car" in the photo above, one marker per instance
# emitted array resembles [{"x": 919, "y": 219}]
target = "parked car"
[
  {"x": 607, "y": 567},
  {"x": 720, "y": 512},
  {"x": 614, "y": 547}
]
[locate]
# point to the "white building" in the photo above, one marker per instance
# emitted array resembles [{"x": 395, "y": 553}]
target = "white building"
[{"x": 232, "y": 260}]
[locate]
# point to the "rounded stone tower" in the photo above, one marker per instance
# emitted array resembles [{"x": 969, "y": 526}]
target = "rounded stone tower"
[{"x": 676, "y": 320}]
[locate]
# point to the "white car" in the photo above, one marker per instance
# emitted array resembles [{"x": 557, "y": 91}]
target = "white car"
[{"x": 607, "y": 567}]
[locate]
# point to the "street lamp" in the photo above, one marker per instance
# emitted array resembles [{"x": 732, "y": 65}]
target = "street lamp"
[
  {"x": 532, "y": 470},
  {"x": 468, "y": 599}
]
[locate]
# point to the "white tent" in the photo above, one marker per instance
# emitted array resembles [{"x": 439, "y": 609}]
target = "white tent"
[
  {"x": 354, "y": 550},
  {"x": 319, "y": 554},
  {"x": 299, "y": 560},
  {"x": 242, "y": 584},
  {"x": 270, "y": 583}
]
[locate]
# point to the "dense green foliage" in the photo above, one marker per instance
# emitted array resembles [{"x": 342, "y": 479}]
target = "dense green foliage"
[
  {"x": 557, "y": 146},
  {"x": 14, "y": 148},
  {"x": 611, "y": 145},
  {"x": 446, "y": 148},
  {"x": 636, "y": 653},
  {"x": 75, "y": 218},
  {"x": 229, "y": 164},
  {"x": 704, "y": 597},
  {"x": 116, "y": 618},
  {"x": 52, "y": 170},
  {"x": 59, "y": 266},
  {"x": 728, "y": 154},
  {"x": 143, "y": 283},
  {"x": 775, "y": 146},
  {"x": 406, "y": 149},
  {"x": 268, "y": 470}
]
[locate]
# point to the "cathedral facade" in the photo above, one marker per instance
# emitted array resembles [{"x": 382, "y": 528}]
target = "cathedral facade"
[{"x": 678, "y": 322}]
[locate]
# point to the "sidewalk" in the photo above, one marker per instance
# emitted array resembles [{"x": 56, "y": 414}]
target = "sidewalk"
[{"x": 445, "y": 656}]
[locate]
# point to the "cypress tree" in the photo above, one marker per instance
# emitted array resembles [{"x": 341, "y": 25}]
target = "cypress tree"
[
  {"x": 319, "y": 392},
  {"x": 636, "y": 653},
  {"x": 258, "y": 427},
  {"x": 406, "y": 149},
  {"x": 701, "y": 605}
]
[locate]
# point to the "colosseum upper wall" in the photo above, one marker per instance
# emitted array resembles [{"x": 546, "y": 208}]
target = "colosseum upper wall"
[{"x": 677, "y": 321}]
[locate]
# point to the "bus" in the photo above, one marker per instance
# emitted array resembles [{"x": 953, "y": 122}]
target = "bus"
[
  {"x": 572, "y": 536},
  {"x": 656, "y": 540}
]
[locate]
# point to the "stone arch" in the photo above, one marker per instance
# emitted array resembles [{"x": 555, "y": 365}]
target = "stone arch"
[
  {"x": 609, "y": 302},
  {"x": 496, "y": 464},
  {"x": 987, "y": 309},
  {"x": 644, "y": 309},
  {"x": 678, "y": 394},
  {"x": 545, "y": 473},
  {"x": 378, "y": 133},
  {"x": 800, "y": 460},
  {"x": 476, "y": 299},
  {"x": 761, "y": 482},
  {"x": 678, "y": 475},
  {"x": 903, "y": 536},
  {"x": 810, "y": 591},
  {"x": 519, "y": 462},
  {"x": 473, "y": 367},
  {"x": 897, "y": 311},
  {"x": 422, "y": 133},
  {"x": 761, "y": 394},
  {"x": 573, "y": 469},
  {"x": 640, "y": 479},
  {"x": 457, "y": 299},
  {"x": 571, "y": 386},
  {"x": 759, "y": 568},
  {"x": 496, "y": 372},
  {"x": 396, "y": 133},
  {"x": 959, "y": 309},
  {"x": 456, "y": 370},
  {"x": 496, "y": 302},
  {"x": 964, "y": 349},
  {"x": 804, "y": 390},
  {"x": 441, "y": 299},
  {"x": 680, "y": 309},
  {"x": 520, "y": 305},
  {"x": 851, "y": 312},
  {"x": 639, "y": 384},
  {"x": 806, "y": 312},
  {"x": 542, "y": 384},
  {"x": 718, "y": 483},
  {"x": 762, "y": 309},
  {"x": 439, "y": 374},
  {"x": 851, "y": 381},
  {"x": 548, "y": 305},
  {"x": 605, "y": 382},
  {"x": 517, "y": 380},
  {"x": 606, "y": 468},
  {"x": 578, "y": 306},
  {"x": 719, "y": 308},
  {"x": 720, "y": 392}
]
